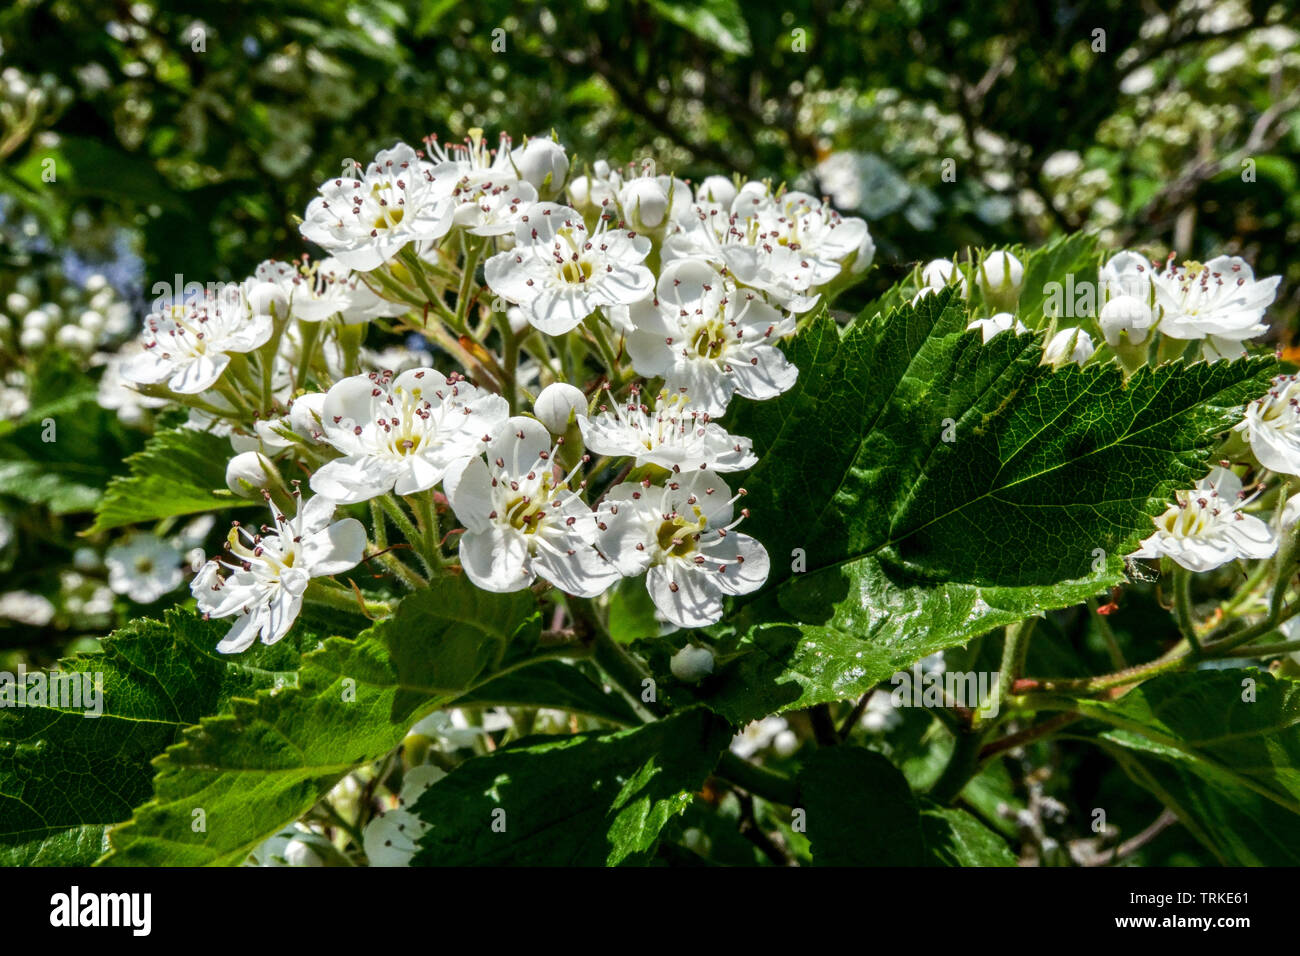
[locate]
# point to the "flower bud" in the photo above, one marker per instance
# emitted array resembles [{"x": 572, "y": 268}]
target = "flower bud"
[
  {"x": 74, "y": 338},
  {"x": 557, "y": 405},
  {"x": 1126, "y": 316},
  {"x": 1068, "y": 345},
  {"x": 1000, "y": 276},
  {"x": 938, "y": 273},
  {"x": 305, "y": 414},
  {"x": 264, "y": 297},
  {"x": 250, "y": 471},
  {"x": 543, "y": 163},
  {"x": 92, "y": 321},
  {"x": 39, "y": 319},
  {"x": 717, "y": 189},
  {"x": 32, "y": 338},
  {"x": 645, "y": 204},
  {"x": 692, "y": 664}
]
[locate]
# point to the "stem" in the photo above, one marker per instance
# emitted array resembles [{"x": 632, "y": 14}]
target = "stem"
[
  {"x": 771, "y": 786},
  {"x": 624, "y": 670},
  {"x": 1117, "y": 660},
  {"x": 474, "y": 249},
  {"x": 310, "y": 334},
  {"x": 510, "y": 351},
  {"x": 319, "y": 592},
  {"x": 960, "y": 768},
  {"x": 406, "y": 527},
  {"x": 597, "y": 331},
  {"x": 1015, "y": 647},
  {"x": 423, "y": 505},
  {"x": 1183, "y": 608}
]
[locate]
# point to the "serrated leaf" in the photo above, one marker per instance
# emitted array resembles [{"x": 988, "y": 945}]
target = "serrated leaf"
[
  {"x": 181, "y": 471},
  {"x": 1074, "y": 254},
  {"x": 861, "y": 812},
  {"x": 1226, "y": 766},
  {"x": 587, "y": 799},
  {"x": 273, "y": 757},
  {"x": 64, "y": 776},
  {"x": 899, "y": 542}
]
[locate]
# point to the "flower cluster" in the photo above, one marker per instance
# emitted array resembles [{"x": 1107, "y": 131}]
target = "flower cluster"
[{"x": 549, "y": 419}]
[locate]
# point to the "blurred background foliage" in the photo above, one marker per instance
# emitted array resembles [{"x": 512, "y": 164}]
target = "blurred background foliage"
[{"x": 189, "y": 134}]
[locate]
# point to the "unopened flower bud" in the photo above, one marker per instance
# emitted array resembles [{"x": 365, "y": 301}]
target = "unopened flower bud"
[
  {"x": 1000, "y": 276},
  {"x": 1126, "y": 316},
  {"x": 558, "y": 404},
  {"x": 250, "y": 471},
  {"x": 267, "y": 298},
  {"x": 692, "y": 664},
  {"x": 717, "y": 189},
  {"x": 1068, "y": 345},
  {"x": 645, "y": 204},
  {"x": 543, "y": 163}
]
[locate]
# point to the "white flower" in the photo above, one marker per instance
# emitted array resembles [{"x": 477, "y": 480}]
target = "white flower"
[
  {"x": 673, "y": 435},
  {"x": 401, "y": 434},
  {"x": 1220, "y": 300},
  {"x": 692, "y": 664},
  {"x": 1206, "y": 529},
  {"x": 321, "y": 289},
  {"x": 1000, "y": 276},
  {"x": 188, "y": 346},
  {"x": 143, "y": 567},
  {"x": 269, "y": 571},
  {"x": 559, "y": 404},
  {"x": 1272, "y": 426},
  {"x": 709, "y": 339},
  {"x": 1002, "y": 322},
  {"x": 682, "y": 535},
  {"x": 483, "y": 183},
  {"x": 559, "y": 272},
  {"x": 26, "y": 608},
  {"x": 1068, "y": 345},
  {"x": 758, "y": 735},
  {"x": 114, "y": 392},
  {"x": 366, "y": 222},
  {"x": 1126, "y": 273},
  {"x": 543, "y": 163},
  {"x": 295, "y": 845},
  {"x": 523, "y": 519},
  {"x": 1126, "y": 319},
  {"x": 390, "y": 839},
  {"x": 787, "y": 245}
]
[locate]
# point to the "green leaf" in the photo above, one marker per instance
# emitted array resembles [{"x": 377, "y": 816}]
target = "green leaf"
[
  {"x": 553, "y": 684},
  {"x": 1074, "y": 254},
  {"x": 66, "y": 448},
  {"x": 861, "y": 812},
  {"x": 631, "y": 612},
  {"x": 64, "y": 775},
  {"x": 900, "y": 543},
  {"x": 181, "y": 471},
  {"x": 272, "y": 758},
  {"x": 1226, "y": 766},
  {"x": 718, "y": 22},
  {"x": 586, "y": 800}
]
